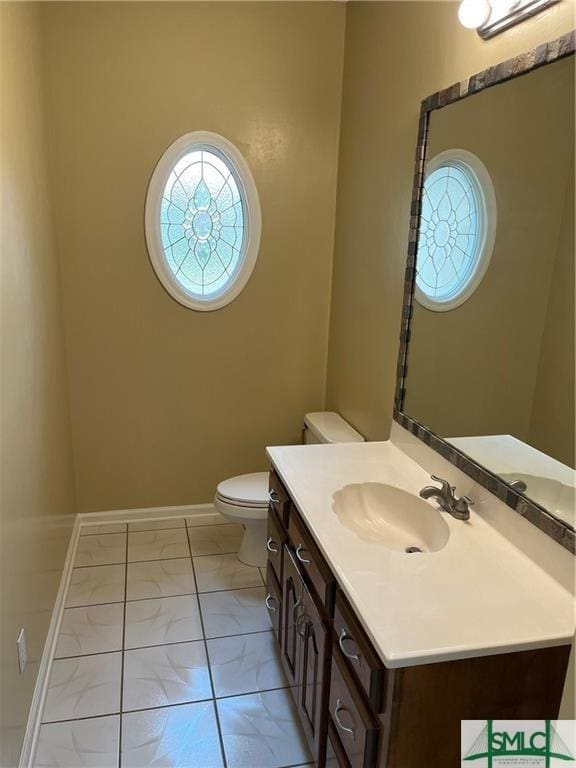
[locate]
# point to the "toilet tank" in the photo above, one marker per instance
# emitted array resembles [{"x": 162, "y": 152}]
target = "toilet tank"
[{"x": 329, "y": 427}]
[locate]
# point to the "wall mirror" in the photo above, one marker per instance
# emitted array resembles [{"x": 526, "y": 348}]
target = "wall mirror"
[{"x": 486, "y": 368}]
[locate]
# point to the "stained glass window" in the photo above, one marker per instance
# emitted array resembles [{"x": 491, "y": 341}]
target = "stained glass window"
[
  {"x": 202, "y": 221},
  {"x": 451, "y": 238}
]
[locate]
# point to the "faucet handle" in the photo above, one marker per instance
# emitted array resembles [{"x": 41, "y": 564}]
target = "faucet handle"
[
  {"x": 446, "y": 487},
  {"x": 463, "y": 503}
]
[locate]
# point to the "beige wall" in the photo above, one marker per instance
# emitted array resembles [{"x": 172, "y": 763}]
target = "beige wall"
[
  {"x": 396, "y": 54},
  {"x": 523, "y": 132},
  {"x": 426, "y": 49},
  {"x": 165, "y": 401},
  {"x": 36, "y": 487}
]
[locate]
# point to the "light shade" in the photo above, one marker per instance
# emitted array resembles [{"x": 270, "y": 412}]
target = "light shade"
[{"x": 474, "y": 13}]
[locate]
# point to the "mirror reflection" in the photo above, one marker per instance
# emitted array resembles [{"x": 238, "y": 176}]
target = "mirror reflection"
[{"x": 491, "y": 355}]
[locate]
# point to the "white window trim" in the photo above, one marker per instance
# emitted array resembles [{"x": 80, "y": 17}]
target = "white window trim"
[
  {"x": 488, "y": 211},
  {"x": 251, "y": 210}
]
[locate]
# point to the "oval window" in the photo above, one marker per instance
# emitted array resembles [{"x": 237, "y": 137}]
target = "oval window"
[
  {"x": 457, "y": 230},
  {"x": 202, "y": 221}
]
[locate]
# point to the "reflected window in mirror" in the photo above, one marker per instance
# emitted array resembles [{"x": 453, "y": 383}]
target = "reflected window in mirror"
[
  {"x": 494, "y": 378},
  {"x": 457, "y": 229}
]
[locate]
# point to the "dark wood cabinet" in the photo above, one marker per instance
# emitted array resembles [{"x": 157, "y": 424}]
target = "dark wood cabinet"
[
  {"x": 355, "y": 712},
  {"x": 356, "y": 723},
  {"x": 305, "y": 654},
  {"x": 278, "y": 497},
  {"x": 359, "y": 653},
  {"x": 335, "y": 752},
  {"x": 311, "y": 563},
  {"x": 292, "y": 587},
  {"x": 314, "y": 635},
  {"x": 274, "y": 600},
  {"x": 275, "y": 539}
]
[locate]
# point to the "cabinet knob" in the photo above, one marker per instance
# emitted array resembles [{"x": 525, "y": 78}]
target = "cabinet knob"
[
  {"x": 269, "y": 546},
  {"x": 267, "y": 600},
  {"x": 341, "y": 638},
  {"x": 299, "y": 549},
  {"x": 341, "y": 708}
]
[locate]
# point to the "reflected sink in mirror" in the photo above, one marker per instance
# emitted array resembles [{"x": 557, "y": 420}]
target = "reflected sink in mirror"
[
  {"x": 383, "y": 514},
  {"x": 556, "y": 497}
]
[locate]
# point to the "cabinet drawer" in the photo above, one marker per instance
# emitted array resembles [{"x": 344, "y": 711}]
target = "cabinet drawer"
[
  {"x": 311, "y": 562},
  {"x": 357, "y": 726},
  {"x": 279, "y": 499},
  {"x": 335, "y": 753},
  {"x": 273, "y": 600},
  {"x": 275, "y": 539},
  {"x": 359, "y": 652}
]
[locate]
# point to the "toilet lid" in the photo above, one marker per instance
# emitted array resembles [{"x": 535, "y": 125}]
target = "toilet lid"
[{"x": 248, "y": 490}]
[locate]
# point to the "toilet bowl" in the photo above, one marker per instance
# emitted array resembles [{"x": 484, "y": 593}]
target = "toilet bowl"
[{"x": 244, "y": 499}]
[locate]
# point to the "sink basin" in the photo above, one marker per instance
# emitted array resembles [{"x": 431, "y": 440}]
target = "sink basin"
[{"x": 383, "y": 514}]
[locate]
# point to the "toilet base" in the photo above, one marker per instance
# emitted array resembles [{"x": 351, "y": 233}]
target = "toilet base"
[{"x": 253, "y": 547}]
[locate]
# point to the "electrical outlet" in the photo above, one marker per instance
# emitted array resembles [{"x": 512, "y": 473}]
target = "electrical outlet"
[{"x": 22, "y": 652}]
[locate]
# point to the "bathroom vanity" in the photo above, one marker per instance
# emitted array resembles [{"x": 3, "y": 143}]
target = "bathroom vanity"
[
  {"x": 394, "y": 619},
  {"x": 385, "y": 650}
]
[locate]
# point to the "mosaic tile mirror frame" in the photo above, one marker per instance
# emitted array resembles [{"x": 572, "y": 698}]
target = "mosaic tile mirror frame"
[{"x": 535, "y": 513}]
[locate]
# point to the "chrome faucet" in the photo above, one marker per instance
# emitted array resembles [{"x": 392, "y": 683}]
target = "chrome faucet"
[{"x": 458, "y": 508}]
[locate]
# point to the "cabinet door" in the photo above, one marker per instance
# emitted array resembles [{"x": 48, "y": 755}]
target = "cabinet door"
[
  {"x": 274, "y": 600},
  {"x": 313, "y": 674},
  {"x": 292, "y": 607}
]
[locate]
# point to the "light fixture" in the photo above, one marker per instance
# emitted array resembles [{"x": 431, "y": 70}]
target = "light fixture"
[
  {"x": 474, "y": 13},
  {"x": 490, "y": 17}
]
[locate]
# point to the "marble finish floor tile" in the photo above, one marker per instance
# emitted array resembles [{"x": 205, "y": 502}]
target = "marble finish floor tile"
[
  {"x": 245, "y": 664},
  {"x": 92, "y": 743},
  {"x": 234, "y": 612},
  {"x": 162, "y": 620},
  {"x": 157, "y": 525},
  {"x": 218, "y": 572},
  {"x": 160, "y": 578},
  {"x": 261, "y": 730},
  {"x": 184, "y": 736},
  {"x": 89, "y": 529},
  {"x": 157, "y": 545},
  {"x": 92, "y": 629},
  {"x": 100, "y": 584},
  {"x": 102, "y": 549},
  {"x": 83, "y": 687},
  {"x": 215, "y": 539},
  {"x": 168, "y": 674}
]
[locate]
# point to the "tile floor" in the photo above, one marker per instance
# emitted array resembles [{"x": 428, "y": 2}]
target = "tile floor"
[{"x": 165, "y": 656}]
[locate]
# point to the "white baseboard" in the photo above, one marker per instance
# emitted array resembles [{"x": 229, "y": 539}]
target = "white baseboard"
[
  {"x": 200, "y": 514},
  {"x": 32, "y": 732}
]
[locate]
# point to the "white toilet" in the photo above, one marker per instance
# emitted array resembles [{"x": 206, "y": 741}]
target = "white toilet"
[{"x": 244, "y": 499}]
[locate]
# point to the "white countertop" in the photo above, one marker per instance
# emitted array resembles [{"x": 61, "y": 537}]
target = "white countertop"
[{"x": 479, "y": 595}]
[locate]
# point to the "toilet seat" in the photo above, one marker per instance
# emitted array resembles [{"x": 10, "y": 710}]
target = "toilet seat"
[
  {"x": 244, "y": 499},
  {"x": 245, "y": 491}
]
